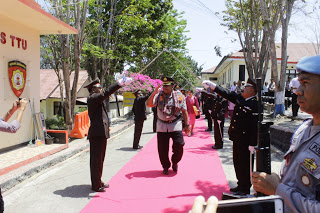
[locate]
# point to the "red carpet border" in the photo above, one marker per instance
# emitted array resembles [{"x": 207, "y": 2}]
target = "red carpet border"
[{"x": 140, "y": 186}]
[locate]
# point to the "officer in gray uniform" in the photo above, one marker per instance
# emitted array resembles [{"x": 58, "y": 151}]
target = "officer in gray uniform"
[
  {"x": 12, "y": 127},
  {"x": 171, "y": 110},
  {"x": 299, "y": 180}
]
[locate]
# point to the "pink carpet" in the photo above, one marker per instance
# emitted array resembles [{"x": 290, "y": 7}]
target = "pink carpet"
[{"x": 140, "y": 186}]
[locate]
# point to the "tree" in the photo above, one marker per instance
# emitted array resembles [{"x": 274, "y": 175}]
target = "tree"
[
  {"x": 114, "y": 35},
  {"x": 60, "y": 50},
  {"x": 244, "y": 17},
  {"x": 141, "y": 29},
  {"x": 80, "y": 15},
  {"x": 313, "y": 26},
  {"x": 256, "y": 24},
  {"x": 277, "y": 11}
]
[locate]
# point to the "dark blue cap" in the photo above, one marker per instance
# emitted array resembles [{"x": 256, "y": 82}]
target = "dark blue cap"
[{"x": 310, "y": 64}]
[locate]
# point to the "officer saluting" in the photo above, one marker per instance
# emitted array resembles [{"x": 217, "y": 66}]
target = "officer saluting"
[
  {"x": 99, "y": 128},
  {"x": 171, "y": 110},
  {"x": 242, "y": 130},
  {"x": 218, "y": 110},
  {"x": 207, "y": 108}
]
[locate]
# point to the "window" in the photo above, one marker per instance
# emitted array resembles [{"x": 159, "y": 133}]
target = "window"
[
  {"x": 224, "y": 78},
  {"x": 242, "y": 72},
  {"x": 213, "y": 79},
  {"x": 57, "y": 108},
  {"x": 292, "y": 73}
]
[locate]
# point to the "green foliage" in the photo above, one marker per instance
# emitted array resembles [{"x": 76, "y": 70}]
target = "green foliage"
[
  {"x": 82, "y": 109},
  {"x": 131, "y": 33},
  {"x": 141, "y": 29},
  {"x": 55, "y": 123}
]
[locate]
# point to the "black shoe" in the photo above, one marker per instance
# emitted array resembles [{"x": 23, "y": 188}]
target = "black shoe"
[
  {"x": 101, "y": 189},
  {"x": 105, "y": 185},
  {"x": 208, "y": 130},
  {"x": 165, "y": 171},
  {"x": 293, "y": 118},
  {"x": 138, "y": 147},
  {"x": 175, "y": 167},
  {"x": 235, "y": 189},
  {"x": 216, "y": 147}
]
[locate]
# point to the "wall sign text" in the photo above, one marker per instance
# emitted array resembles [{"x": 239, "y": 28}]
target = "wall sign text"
[{"x": 15, "y": 41}]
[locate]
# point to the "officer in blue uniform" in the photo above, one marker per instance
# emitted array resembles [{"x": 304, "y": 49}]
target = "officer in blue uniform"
[{"x": 299, "y": 180}]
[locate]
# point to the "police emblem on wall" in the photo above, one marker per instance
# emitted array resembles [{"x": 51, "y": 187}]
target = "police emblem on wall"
[{"x": 17, "y": 76}]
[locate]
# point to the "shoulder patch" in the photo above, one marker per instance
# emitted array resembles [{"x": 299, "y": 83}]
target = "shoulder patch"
[{"x": 310, "y": 164}]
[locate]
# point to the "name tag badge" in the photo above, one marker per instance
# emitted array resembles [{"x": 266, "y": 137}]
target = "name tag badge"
[{"x": 314, "y": 147}]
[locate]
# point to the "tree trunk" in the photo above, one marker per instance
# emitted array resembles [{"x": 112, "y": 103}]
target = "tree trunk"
[
  {"x": 65, "y": 53},
  {"x": 80, "y": 22}
]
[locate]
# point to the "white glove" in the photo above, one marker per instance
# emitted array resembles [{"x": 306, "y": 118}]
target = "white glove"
[
  {"x": 198, "y": 89},
  {"x": 124, "y": 81},
  {"x": 208, "y": 84},
  {"x": 251, "y": 149}
]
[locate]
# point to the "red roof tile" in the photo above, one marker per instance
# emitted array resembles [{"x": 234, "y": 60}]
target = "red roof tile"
[
  {"x": 49, "y": 83},
  {"x": 295, "y": 51}
]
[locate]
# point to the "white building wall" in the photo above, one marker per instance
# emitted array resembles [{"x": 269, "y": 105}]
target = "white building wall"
[
  {"x": 234, "y": 66},
  {"x": 30, "y": 57}
]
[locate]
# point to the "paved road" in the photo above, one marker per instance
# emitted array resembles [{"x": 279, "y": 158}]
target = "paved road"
[
  {"x": 65, "y": 187},
  {"x": 225, "y": 155}
]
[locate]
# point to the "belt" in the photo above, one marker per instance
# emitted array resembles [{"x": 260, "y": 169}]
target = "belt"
[{"x": 170, "y": 121}]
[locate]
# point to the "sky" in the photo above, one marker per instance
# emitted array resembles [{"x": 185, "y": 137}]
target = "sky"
[{"x": 205, "y": 31}]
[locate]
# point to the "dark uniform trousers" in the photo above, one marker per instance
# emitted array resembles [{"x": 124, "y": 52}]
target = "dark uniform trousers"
[
  {"x": 208, "y": 111},
  {"x": 218, "y": 132},
  {"x": 219, "y": 108},
  {"x": 208, "y": 105},
  {"x": 138, "y": 125},
  {"x": 98, "y": 147},
  {"x": 209, "y": 118},
  {"x": 163, "y": 147},
  {"x": 155, "y": 118},
  {"x": 241, "y": 162},
  {"x": 139, "y": 110},
  {"x": 295, "y": 105},
  {"x": 1, "y": 202}
]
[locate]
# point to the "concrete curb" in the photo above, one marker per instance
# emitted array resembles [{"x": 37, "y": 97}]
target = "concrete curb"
[{"x": 15, "y": 177}]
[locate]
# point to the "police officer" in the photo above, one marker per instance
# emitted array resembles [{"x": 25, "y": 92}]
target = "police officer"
[
  {"x": 139, "y": 111},
  {"x": 207, "y": 108},
  {"x": 172, "y": 109},
  {"x": 299, "y": 180},
  {"x": 99, "y": 128},
  {"x": 242, "y": 130},
  {"x": 155, "y": 118},
  {"x": 218, "y": 114}
]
